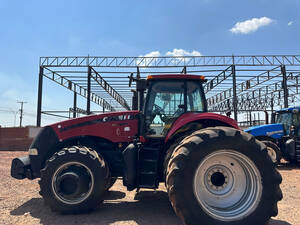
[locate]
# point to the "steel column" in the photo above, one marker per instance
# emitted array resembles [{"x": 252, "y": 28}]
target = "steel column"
[
  {"x": 266, "y": 117},
  {"x": 284, "y": 87},
  {"x": 272, "y": 105},
  {"x": 88, "y": 99},
  {"x": 74, "y": 105},
  {"x": 40, "y": 94},
  {"x": 234, "y": 92}
]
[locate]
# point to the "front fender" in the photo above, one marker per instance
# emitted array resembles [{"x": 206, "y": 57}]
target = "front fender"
[
  {"x": 208, "y": 118},
  {"x": 40, "y": 148}
]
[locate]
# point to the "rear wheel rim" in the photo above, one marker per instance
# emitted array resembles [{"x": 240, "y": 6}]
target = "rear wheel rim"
[
  {"x": 72, "y": 174},
  {"x": 227, "y": 185}
]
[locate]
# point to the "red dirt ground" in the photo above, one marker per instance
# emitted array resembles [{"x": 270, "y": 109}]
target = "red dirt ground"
[{"x": 21, "y": 204}]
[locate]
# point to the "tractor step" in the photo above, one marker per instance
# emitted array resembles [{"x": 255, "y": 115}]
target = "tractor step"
[{"x": 148, "y": 167}]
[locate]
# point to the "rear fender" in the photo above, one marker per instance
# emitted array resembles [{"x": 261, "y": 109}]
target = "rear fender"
[{"x": 199, "y": 121}]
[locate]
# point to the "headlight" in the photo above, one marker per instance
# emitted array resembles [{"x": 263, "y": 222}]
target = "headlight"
[{"x": 33, "y": 151}]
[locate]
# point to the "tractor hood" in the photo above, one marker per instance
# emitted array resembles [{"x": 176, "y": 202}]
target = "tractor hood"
[
  {"x": 275, "y": 131},
  {"x": 113, "y": 126}
]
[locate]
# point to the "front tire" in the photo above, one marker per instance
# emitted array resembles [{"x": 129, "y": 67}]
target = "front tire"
[
  {"x": 273, "y": 151},
  {"x": 222, "y": 176},
  {"x": 74, "y": 180}
]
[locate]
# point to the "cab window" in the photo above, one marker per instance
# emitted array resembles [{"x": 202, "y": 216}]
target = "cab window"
[
  {"x": 165, "y": 104},
  {"x": 194, "y": 97},
  {"x": 285, "y": 119}
]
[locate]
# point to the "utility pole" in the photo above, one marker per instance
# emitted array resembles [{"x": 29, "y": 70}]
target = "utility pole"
[{"x": 21, "y": 111}]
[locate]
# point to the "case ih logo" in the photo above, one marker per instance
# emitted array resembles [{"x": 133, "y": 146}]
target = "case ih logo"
[{"x": 100, "y": 120}]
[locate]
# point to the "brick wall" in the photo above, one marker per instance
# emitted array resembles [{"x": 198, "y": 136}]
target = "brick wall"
[{"x": 16, "y": 139}]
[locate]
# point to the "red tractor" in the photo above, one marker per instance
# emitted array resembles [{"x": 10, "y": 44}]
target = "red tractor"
[{"x": 214, "y": 172}]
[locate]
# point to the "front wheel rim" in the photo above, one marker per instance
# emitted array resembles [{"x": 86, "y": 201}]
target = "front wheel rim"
[
  {"x": 75, "y": 172},
  {"x": 227, "y": 185}
]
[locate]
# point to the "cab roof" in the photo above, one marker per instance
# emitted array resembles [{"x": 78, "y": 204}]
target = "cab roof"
[{"x": 176, "y": 76}]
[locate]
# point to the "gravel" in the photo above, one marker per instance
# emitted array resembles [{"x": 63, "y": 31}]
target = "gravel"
[{"x": 21, "y": 204}]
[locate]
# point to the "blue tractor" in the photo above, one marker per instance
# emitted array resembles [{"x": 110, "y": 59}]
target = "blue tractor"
[{"x": 282, "y": 136}]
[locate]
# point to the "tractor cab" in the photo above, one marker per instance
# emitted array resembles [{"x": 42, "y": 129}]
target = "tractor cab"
[
  {"x": 284, "y": 131},
  {"x": 168, "y": 97},
  {"x": 290, "y": 119}
]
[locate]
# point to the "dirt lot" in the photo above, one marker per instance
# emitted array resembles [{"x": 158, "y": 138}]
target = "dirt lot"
[{"x": 20, "y": 202}]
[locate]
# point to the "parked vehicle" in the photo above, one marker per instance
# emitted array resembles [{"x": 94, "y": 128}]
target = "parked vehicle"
[
  {"x": 214, "y": 172},
  {"x": 283, "y": 134}
]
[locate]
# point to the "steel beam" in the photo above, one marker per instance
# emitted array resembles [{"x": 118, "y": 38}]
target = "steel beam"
[
  {"x": 217, "y": 80},
  {"x": 88, "y": 98},
  {"x": 244, "y": 92},
  {"x": 74, "y": 104},
  {"x": 56, "y": 77},
  {"x": 256, "y": 100},
  {"x": 284, "y": 87},
  {"x": 235, "y": 100},
  {"x": 108, "y": 88},
  {"x": 40, "y": 96},
  {"x": 178, "y": 61},
  {"x": 246, "y": 85}
]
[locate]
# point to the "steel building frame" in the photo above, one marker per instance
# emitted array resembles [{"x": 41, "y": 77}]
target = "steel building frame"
[{"x": 234, "y": 83}]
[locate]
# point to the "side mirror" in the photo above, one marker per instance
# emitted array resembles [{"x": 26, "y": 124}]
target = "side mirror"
[
  {"x": 292, "y": 130},
  {"x": 134, "y": 100}
]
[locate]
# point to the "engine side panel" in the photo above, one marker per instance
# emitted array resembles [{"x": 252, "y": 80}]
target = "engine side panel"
[{"x": 115, "y": 127}]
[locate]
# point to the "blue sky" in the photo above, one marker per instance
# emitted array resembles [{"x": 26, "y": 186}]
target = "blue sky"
[{"x": 30, "y": 29}]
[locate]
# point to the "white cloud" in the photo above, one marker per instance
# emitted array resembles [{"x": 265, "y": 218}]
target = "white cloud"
[
  {"x": 290, "y": 23},
  {"x": 146, "y": 62},
  {"x": 153, "y": 54},
  {"x": 175, "y": 52},
  {"x": 250, "y": 26},
  {"x": 182, "y": 52}
]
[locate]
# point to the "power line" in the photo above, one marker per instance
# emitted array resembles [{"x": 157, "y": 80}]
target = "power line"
[{"x": 21, "y": 111}]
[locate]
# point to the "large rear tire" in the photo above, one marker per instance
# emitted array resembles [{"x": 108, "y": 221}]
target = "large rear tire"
[
  {"x": 74, "y": 180},
  {"x": 220, "y": 176}
]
